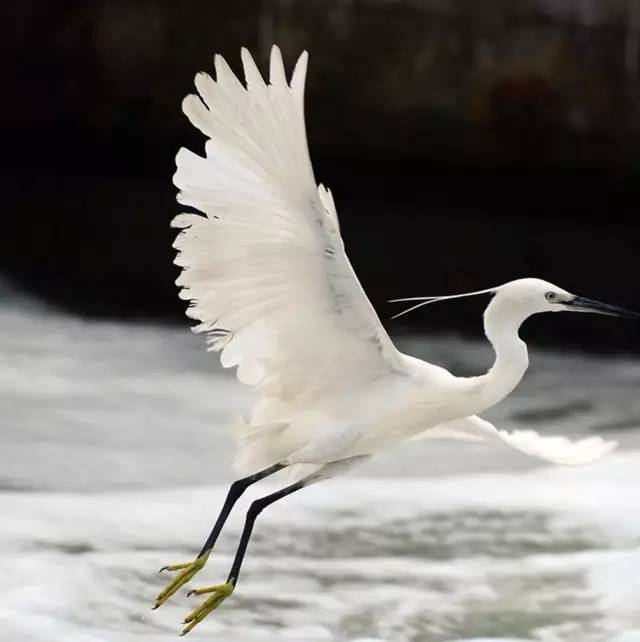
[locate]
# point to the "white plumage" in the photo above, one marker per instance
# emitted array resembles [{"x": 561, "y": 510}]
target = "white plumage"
[{"x": 265, "y": 270}]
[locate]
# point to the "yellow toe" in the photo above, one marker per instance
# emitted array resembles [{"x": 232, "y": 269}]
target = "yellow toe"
[
  {"x": 219, "y": 594},
  {"x": 188, "y": 570}
]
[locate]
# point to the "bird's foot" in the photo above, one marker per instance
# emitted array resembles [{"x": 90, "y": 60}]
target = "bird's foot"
[
  {"x": 219, "y": 594},
  {"x": 188, "y": 570}
]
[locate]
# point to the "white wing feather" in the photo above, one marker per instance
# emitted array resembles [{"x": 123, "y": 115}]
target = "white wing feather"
[
  {"x": 265, "y": 268},
  {"x": 557, "y": 450}
]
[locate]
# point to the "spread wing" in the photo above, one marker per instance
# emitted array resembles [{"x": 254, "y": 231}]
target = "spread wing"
[{"x": 264, "y": 265}]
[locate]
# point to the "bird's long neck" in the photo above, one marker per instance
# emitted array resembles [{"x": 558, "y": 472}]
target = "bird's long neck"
[{"x": 502, "y": 321}]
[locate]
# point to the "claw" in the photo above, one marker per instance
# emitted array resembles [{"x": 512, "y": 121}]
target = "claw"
[
  {"x": 202, "y": 591},
  {"x": 189, "y": 569},
  {"x": 220, "y": 594},
  {"x": 175, "y": 567}
]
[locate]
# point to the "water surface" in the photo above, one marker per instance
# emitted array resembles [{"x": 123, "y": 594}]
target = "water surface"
[{"x": 114, "y": 458}]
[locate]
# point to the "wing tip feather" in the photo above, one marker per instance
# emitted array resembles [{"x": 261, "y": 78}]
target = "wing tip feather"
[
  {"x": 201, "y": 79},
  {"x": 299, "y": 75},
  {"x": 277, "y": 75},
  {"x": 192, "y": 105}
]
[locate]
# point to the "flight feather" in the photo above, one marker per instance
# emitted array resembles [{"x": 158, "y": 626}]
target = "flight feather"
[{"x": 263, "y": 263}]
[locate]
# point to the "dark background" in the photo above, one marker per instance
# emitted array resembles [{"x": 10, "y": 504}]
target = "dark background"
[{"x": 466, "y": 143}]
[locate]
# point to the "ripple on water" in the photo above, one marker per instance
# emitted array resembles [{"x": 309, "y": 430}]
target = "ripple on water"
[{"x": 440, "y": 536}]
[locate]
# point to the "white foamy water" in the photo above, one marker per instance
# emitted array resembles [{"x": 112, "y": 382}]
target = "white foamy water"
[{"x": 115, "y": 456}]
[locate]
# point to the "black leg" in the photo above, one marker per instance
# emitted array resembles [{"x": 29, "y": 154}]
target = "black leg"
[
  {"x": 253, "y": 512},
  {"x": 219, "y": 593},
  {"x": 235, "y": 492},
  {"x": 189, "y": 569}
]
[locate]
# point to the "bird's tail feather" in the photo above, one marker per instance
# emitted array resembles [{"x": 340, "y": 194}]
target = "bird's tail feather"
[{"x": 554, "y": 449}]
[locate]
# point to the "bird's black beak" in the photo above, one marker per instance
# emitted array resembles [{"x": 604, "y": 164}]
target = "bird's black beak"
[{"x": 580, "y": 304}]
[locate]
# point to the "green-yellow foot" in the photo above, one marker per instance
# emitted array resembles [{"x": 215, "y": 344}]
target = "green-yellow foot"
[
  {"x": 219, "y": 594},
  {"x": 189, "y": 569}
]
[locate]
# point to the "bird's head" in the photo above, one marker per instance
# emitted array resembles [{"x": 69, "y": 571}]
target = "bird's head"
[{"x": 532, "y": 296}]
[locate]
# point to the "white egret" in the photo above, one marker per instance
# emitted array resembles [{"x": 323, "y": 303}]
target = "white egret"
[{"x": 265, "y": 270}]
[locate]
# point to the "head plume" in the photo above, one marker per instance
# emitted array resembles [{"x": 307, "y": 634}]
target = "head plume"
[{"x": 426, "y": 300}]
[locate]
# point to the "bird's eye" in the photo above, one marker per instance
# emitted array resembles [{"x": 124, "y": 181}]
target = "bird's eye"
[{"x": 550, "y": 296}]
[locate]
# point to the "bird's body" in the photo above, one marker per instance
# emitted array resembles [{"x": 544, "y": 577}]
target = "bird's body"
[
  {"x": 415, "y": 398},
  {"x": 268, "y": 279},
  {"x": 393, "y": 408}
]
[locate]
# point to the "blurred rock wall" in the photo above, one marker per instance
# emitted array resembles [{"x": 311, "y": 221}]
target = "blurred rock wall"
[
  {"x": 466, "y": 142},
  {"x": 404, "y": 77}
]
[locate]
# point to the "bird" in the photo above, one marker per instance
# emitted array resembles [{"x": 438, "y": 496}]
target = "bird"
[{"x": 265, "y": 272}]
